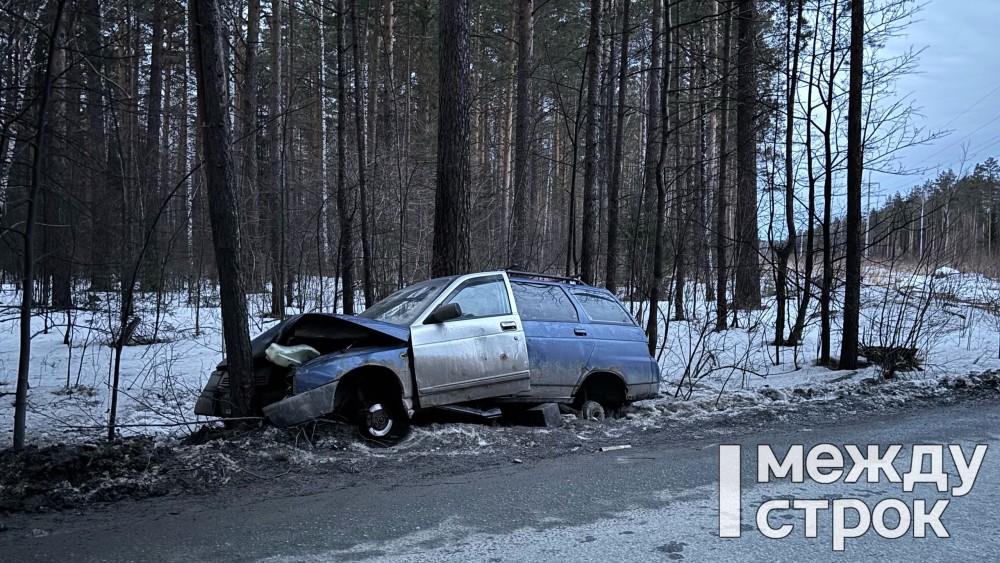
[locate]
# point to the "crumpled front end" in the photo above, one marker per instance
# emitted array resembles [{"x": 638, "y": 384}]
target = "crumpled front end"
[
  {"x": 293, "y": 344},
  {"x": 315, "y": 383},
  {"x": 214, "y": 399}
]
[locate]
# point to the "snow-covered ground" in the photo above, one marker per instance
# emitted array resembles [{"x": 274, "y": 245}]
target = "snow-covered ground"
[
  {"x": 69, "y": 395},
  {"x": 952, "y": 317}
]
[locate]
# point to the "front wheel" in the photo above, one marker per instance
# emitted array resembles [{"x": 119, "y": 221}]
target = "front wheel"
[{"x": 383, "y": 421}]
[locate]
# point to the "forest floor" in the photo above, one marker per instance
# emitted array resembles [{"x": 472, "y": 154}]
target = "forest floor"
[{"x": 712, "y": 383}]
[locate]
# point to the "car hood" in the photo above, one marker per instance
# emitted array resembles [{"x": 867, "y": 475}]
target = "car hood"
[
  {"x": 349, "y": 326},
  {"x": 401, "y": 333}
]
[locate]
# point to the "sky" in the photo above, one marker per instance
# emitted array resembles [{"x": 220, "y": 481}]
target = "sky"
[{"x": 956, "y": 86}]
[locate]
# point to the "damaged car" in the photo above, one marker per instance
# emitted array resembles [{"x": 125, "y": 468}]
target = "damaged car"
[{"x": 472, "y": 343}]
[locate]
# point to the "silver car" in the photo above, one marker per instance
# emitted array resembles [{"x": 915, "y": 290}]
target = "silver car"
[{"x": 469, "y": 343}]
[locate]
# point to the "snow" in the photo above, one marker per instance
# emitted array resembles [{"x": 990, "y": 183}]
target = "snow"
[
  {"x": 69, "y": 397},
  {"x": 953, "y": 320},
  {"x": 945, "y": 271}
]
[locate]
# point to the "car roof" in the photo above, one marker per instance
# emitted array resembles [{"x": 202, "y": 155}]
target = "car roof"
[
  {"x": 575, "y": 286},
  {"x": 540, "y": 281}
]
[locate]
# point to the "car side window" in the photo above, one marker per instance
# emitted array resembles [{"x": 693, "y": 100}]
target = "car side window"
[
  {"x": 603, "y": 308},
  {"x": 481, "y": 297},
  {"x": 543, "y": 302}
]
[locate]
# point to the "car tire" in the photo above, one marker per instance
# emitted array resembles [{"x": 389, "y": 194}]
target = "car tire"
[
  {"x": 383, "y": 421},
  {"x": 592, "y": 410}
]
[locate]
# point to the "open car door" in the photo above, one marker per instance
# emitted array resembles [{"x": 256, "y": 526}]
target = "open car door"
[{"x": 473, "y": 351}]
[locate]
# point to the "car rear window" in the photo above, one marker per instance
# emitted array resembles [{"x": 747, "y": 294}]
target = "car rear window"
[
  {"x": 603, "y": 308},
  {"x": 543, "y": 302}
]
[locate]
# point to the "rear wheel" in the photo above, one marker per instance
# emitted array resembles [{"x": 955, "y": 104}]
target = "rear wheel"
[
  {"x": 592, "y": 410},
  {"x": 601, "y": 396}
]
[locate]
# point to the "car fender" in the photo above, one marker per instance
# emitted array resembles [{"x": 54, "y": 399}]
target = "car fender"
[
  {"x": 331, "y": 367},
  {"x": 315, "y": 382},
  {"x": 615, "y": 371}
]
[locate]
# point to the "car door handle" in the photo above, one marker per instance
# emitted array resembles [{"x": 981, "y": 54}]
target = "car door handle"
[
  {"x": 580, "y": 331},
  {"x": 508, "y": 325}
]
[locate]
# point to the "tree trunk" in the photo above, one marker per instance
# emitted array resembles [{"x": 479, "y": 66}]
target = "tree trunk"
[
  {"x": 150, "y": 162},
  {"x": 58, "y": 231},
  {"x": 247, "y": 115},
  {"x": 855, "y": 170},
  {"x": 272, "y": 192},
  {"x": 451, "y": 201},
  {"x": 361, "y": 130},
  {"x": 661, "y": 181},
  {"x": 606, "y": 131},
  {"x": 588, "y": 245},
  {"x": 721, "y": 197},
  {"x": 800, "y": 318},
  {"x": 653, "y": 133},
  {"x": 28, "y": 271},
  {"x": 222, "y": 210},
  {"x": 747, "y": 289},
  {"x": 703, "y": 158},
  {"x": 325, "y": 234},
  {"x": 287, "y": 168},
  {"x": 784, "y": 252},
  {"x": 826, "y": 290},
  {"x": 506, "y": 148},
  {"x": 373, "y": 135},
  {"x": 101, "y": 234},
  {"x": 520, "y": 235},
  {"x": 345, "y": 207},
  {"x": 572, "y": 261},
  {"x": 678, "y": 208},
  {"x": 614, "y": 188}
]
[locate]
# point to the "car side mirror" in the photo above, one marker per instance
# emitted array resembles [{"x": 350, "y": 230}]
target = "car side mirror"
[{"x": 445, "y": 312}]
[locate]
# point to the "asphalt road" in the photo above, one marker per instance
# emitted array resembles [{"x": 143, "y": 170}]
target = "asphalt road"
[{"x": 653, "y": 502}]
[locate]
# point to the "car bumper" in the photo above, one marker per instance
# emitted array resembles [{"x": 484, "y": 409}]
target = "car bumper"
[
  {"x": 302, "y": 407},
  {"x": 214, "y": 399},
  {"x": 644, "y": 391}
]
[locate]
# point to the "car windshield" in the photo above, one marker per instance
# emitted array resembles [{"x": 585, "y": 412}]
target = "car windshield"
[{"x": 404, "y": 306}]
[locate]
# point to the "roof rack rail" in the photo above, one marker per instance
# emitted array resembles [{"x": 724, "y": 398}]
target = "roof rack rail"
[{"x": 568, "y": 279}]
